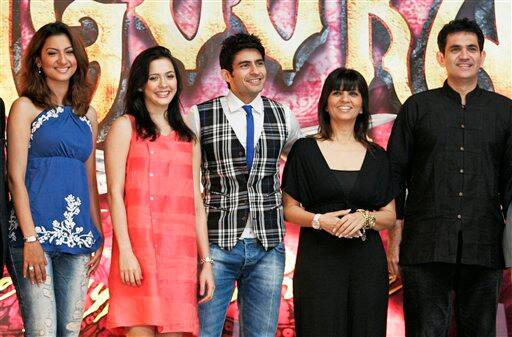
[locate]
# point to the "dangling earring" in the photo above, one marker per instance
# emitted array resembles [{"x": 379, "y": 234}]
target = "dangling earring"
[{"x": 39, "y": 70}]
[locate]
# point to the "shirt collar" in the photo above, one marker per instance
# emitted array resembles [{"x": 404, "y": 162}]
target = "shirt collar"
[
  {"x": 235, "y": 104},
  {"x": 454, "y": 95}
]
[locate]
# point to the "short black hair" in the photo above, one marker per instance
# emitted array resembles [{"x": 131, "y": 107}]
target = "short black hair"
[
  {"x": 345, "y": 79},
  {"x": 235, "y": 43},
  {"x": 456, "y": 26}
]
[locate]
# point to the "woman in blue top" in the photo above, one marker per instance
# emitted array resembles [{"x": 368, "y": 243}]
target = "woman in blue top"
[{"x": 54, "y": 229}]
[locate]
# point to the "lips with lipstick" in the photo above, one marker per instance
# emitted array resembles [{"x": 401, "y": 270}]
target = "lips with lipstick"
[
  {"x": 62, "y": 70},
  {"x": 163, "y": 93}
]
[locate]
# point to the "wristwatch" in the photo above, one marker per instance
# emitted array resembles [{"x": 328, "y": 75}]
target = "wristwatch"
[
  {"x": 315, "y": 223},
  {"x": 31, "y": 238}
]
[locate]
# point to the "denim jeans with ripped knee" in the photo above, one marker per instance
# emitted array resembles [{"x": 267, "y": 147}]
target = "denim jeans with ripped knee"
[{"x": 54, "y": 307}]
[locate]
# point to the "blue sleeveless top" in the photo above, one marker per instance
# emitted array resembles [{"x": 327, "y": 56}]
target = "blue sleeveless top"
[{"x": 56, "y": 181}]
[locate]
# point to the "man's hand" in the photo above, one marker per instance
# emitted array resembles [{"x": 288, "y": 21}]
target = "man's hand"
[{"x": 394, "y": 239}]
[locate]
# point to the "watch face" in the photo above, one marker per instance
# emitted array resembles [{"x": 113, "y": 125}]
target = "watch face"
[{"x": 316, "y": 223}]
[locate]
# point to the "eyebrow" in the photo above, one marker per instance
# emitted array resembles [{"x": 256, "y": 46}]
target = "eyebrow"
[
  {"x": 167, "y": 72},
  {"x": 460, "y": 45},
  {"x": 248, "y": 61},
  {"x": 58, "y": 48}
]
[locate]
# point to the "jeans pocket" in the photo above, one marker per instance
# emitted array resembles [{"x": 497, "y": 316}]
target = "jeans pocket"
[{"x": 280, "y": 248}]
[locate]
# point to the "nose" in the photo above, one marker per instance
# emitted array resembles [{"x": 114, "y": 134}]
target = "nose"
[
  {"x": 464, "y": 53},
  {"x": 345, "y": 96},
  {"x": 62, "y": 58},
  {"x": 163, "y": 82},
  {"x": 255, "y": 69}
]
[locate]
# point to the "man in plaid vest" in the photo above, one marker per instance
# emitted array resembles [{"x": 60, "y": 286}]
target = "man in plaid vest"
[{"x": 242, "y": 137}]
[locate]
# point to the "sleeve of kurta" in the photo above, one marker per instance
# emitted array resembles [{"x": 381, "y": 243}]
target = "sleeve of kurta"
[
  {"x": 506, "y": 167},
  {"x": 385, "y": 191},
  {"x": 400, "y": 149}
]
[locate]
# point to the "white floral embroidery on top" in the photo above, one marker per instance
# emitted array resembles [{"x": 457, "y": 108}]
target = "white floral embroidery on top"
[
  {"x": 51, "y": 113},
  {"x": 85, "y": 119},
  {"x": 67, "y": 232},
  {"x": 13, "y": 225}
]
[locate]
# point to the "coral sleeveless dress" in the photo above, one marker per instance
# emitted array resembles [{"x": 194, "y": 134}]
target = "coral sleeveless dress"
[{"x": 159, "y": 201}]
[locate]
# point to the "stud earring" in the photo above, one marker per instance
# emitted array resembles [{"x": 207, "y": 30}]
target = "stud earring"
[{"x": 39, "y": 70}]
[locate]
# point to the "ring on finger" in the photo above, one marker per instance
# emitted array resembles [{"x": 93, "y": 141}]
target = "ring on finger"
[{"x": 31, "y": 268}]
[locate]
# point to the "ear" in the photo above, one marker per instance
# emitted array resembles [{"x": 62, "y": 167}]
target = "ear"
[
  {"x": 226, "y": 75},
  {"x": 38, "y": 62},
  {"x": 440, "y": 58},
  {"x": 482, "y": 58}
]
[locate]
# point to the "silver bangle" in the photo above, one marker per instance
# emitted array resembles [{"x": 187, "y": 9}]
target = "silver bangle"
[{"x": 207, "y": 259}]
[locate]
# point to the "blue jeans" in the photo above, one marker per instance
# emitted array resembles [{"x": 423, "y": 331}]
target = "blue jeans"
[
  {"x": 259, "y": 276},
  {"x": 54, "y": 307}
]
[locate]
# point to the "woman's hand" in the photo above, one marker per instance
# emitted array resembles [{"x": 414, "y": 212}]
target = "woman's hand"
[
  {"x": 329, "y": 221},
  {"x": 129, "y": 267},
  {"x": 34, "y": 262},
  {"x": 94, "y": 261},
  {"x": 350, "y": 225},
  {"x": 206, "y": 283}
]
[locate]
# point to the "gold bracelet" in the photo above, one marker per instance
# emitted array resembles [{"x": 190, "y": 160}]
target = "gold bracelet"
[{"x": 369, "y": 219}]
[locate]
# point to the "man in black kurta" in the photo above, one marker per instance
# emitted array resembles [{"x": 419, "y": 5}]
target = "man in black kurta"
[{"x": 451, "y": 148}]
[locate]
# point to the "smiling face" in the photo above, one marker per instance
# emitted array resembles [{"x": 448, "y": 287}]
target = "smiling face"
[
  {"x": 462, "y": 57},
  {"x": 57, "y": 60},
  {"x": 161, "y": 85},
  {"x": 344, "y": 105},
  {"x": 248, "y": 77}
]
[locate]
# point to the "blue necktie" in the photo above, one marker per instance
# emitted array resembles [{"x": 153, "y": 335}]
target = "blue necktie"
[{"x": 249, "y": 144}]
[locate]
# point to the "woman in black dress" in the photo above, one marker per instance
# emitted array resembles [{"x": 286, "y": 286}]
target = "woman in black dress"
[{"x": 337, "y": 188}]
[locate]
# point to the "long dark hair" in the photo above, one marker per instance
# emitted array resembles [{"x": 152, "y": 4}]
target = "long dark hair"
[
  {"x": 134, "y": 99},
  {"x": 33, "y": 83},
  {"x": 345, "y": 79}
]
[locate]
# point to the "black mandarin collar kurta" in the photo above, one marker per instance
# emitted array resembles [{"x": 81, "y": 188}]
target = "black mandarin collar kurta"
[{"x": 456, "y": 162}]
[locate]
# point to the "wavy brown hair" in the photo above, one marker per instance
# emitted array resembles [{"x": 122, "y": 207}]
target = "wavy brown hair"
[{"x": 33, "y": 84}]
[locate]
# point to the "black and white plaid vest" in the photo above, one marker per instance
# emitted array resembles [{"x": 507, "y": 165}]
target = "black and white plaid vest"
[{"x": 231, "y": 193}]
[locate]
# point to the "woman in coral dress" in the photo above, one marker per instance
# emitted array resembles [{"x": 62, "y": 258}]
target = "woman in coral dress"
[{"x": 152, "y": 165}]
